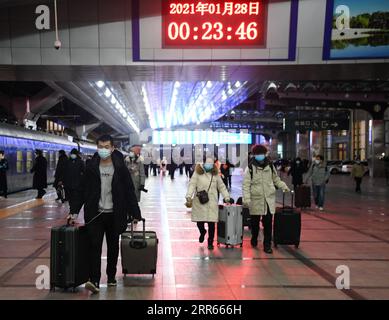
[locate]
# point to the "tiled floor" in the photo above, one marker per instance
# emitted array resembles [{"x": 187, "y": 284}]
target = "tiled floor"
[{"x": 353, "y": 231}]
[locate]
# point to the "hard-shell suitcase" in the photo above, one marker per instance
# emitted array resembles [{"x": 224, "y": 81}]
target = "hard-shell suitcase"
[
  {"x": 287, "y": 225},
  {"x": 69, "y": 266},
  {"x": 139, "y": 251},
  {"x": 245, "y": 214},
  {"x": 302, "y": 197},
  {"x": 230, "y": 225}
]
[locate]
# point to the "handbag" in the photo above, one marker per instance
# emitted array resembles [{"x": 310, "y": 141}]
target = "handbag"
[{"x": 203, "y": 195}]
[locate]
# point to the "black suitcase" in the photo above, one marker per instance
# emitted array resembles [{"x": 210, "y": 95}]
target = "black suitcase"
[
  {"x": 139, "y": 251},
  {"x": 245, "y": 213},
  {"x": 302, "y": 197},
  {"x": 287, "y": 225},
  {"x": 69, "y": 266}
]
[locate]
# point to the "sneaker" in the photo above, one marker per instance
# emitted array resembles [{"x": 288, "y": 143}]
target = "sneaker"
[
  {"x": 112, "y": 283},
  {"x": 321, "y": 208},
  {"x": 92, "y": 287},
  {"x": 202, "y": 236}
]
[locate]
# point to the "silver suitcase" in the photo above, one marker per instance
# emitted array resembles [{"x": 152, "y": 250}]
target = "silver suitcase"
[{"x": 230, "y": 225}]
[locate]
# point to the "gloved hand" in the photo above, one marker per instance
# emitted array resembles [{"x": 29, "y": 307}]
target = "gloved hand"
[
  {"x": 286, "y": 190},
  {"x": 189, "y": 202},
  {"x": 141, "y": 187},
  {"x": 227, "y": 201},
  {"x": 71, "y": 218}
]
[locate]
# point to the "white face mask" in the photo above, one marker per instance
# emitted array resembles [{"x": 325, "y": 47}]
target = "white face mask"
[
  {"x": 132, "y": 154},
  {"x": 317, "y": 161},
  {"x": 73, "y": 156}
]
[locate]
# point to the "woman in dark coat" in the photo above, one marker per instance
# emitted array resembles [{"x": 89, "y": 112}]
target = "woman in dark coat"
[
  {"x": 40, "y": 174},
  {"x": 296, "y": 171},
  {"x": 60, "y": 172}
]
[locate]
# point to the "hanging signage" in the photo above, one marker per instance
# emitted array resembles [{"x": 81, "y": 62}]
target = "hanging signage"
[
  {"x": 292, "y": 125},
  {"x": 213, "y": 23}
]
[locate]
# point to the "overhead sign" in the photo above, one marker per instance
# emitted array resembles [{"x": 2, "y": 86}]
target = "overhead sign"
[
  {"x": 316, "y": 124},
  {"x": 357, "y": 29},
  {"x": 213, "y": 23},
  {"x": 200, "y": 137}
]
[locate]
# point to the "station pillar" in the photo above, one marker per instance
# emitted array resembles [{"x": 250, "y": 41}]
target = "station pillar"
[
  {"x": 376, "y": 165},
  {"x": 302, "y": 145}
]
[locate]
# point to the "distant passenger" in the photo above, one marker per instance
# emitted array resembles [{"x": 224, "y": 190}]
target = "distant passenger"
[
  {"x": 163, "y": 166},
  {"x": 320, "y": 175},
  {"x": 172, "y": 169},
  {"x": 135, "y": 165},
  {"x": 188, "y": 169},
  {"x": 357, "y": 172},
  {"x": 226, "y": 171},
  {"x": 3, "y": 174},
  {"x": 74, "y": 172},
  {"x": 386, "y": 164},
  {"x": 259, "y": 194},
  {"x": 107, "y": 194},
  {"x": 206, "y": 180},
  {"x": 40, "y": 174},
  {"x": 297, "y": 170},
  {"x": 60, "y": 174}
]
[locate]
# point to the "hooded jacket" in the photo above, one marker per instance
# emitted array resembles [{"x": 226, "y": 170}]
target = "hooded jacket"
[
  {"x": 319, "y": 173},
  {"x": 125, "y": 204},
  {"x": 260, "y": 190},
  {"x": 201, "y": 180}
]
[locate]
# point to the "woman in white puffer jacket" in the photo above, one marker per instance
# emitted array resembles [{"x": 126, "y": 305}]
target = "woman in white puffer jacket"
[{"x": 206, "y": 178}]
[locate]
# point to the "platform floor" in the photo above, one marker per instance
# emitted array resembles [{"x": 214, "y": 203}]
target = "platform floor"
[{"x": 353, "y": 231}]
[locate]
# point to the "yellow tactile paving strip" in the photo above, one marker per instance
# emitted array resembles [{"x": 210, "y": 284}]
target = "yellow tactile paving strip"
[{"x": 18, "y": 208}]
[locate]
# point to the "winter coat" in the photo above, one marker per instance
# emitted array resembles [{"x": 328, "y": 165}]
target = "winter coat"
[
  {"x": 137, "y": 171},
  {"x": 201, "y": 180},
  {"x": 125, "y": 204},
  {"x": 39, "y": 169},
  {"x": 74, "y": 171},
  {"x": 297, "y": 171},
  {"x": 3, "y": 174},
  {"x": 60, "y": 170},
  {"x": 357, "y": 171},
  {"x": 319, "y": 174},
  {"x": 260, "y": 190}
]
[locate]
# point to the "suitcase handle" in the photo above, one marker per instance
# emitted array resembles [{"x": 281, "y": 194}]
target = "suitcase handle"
[
  {"x": 138, "y": 245},
  {"x": 283, "y": 199}
]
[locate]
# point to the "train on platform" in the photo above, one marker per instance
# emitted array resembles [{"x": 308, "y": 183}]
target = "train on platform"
[{"x": 20, "y": 144}]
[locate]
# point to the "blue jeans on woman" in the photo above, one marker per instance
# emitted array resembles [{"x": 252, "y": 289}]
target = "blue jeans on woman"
[{"x": 318, "y": 194}]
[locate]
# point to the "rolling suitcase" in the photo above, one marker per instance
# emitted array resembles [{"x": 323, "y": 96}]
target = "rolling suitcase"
[
  {"x": 302, "y": 197},
  {"x": 139, "y": 251},
  {"x": 287, "y": 225},
  {"x": 68, "y": 257},
  {"x": 230, "y": 225},
  {"x": 245, "y": 214}
]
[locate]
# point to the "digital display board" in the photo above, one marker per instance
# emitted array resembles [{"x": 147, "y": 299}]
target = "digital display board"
[
  {"x": 214, "y": 23},
  {"x": 200, "y": 137},
  {"x": 356, "y": 29}
]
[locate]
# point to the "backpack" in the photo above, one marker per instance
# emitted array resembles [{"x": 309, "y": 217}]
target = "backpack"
[{"x": 251, "y": 170}]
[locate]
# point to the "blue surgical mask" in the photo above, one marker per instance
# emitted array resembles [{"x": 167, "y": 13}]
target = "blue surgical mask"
[
  {"x": 104, "y": 153},
  {"x": 208, "y": 167},
  {"x": 73, "y": 156},
  {"x": 260, "y": 157},
  {"x": 132, "y": 154}
]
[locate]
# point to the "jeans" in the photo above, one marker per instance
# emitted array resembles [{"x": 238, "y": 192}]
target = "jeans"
[
  {"x": 104, "y": 224},
  {"x": 267, "y": 223},
  {"x": 211, "y": 230},
  {"x": 318, "y": 194}
]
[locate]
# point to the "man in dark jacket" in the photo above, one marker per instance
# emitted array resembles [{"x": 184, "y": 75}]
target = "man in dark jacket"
[
  {"x": 296, "y": 171},
  {"x": 39, "y": 170},
  {"x": 109, "y": 200},
  {"x": 60, "y": 172},
  {"x": 3, "y": 174},
  {"x": 74, "y": 171}
]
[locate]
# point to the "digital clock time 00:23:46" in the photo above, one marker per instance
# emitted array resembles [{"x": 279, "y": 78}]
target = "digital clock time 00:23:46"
[{"x": 218, "y": 28}]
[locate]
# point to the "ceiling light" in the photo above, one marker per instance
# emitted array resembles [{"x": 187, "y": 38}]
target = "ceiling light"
[
  {"x": 107, "y": 93},
  {"x": 100, "y": 84}
]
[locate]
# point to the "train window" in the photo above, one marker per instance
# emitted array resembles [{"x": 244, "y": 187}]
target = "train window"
[
  {"x": 29, "y": 161},
  {"x": 19, "y": 162}
]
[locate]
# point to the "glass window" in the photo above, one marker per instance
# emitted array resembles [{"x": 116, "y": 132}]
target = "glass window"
[
  {"x": 29, "y": 161},
  {"x": 19, "y": 162}
]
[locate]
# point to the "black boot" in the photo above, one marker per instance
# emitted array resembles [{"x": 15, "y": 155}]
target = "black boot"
[
  {"x": 202, "y": 236},
  {"x": 254, "y": 242},
  {"x": 210, "y": 245}
]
